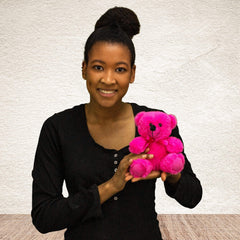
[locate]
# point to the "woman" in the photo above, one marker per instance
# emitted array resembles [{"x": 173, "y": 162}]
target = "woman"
[{"x": 87, "y": 146}]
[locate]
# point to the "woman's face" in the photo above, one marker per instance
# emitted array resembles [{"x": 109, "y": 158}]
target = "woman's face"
[{"x": 108, "y": 73}]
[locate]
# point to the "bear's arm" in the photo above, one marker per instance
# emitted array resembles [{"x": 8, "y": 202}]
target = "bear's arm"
[
  {"x": 174, "y": 145},
  {"x": 138, "y": 145}
]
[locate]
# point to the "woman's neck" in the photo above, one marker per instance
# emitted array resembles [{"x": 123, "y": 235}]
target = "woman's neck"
[{"x": 101, "y": 115}]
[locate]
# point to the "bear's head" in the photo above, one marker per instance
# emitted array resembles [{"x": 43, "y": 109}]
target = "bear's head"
[{"x": 155, "y": 125}]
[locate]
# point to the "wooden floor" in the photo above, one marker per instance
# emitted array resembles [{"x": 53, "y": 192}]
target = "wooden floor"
[
  {"x": 200, "y": 227},
  {"x": 173, "y": 227}
]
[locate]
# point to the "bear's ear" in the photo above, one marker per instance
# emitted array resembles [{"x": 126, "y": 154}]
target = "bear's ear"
[
  {"x": 138, "y": 117},
  {"x": 173, "y": 121}
]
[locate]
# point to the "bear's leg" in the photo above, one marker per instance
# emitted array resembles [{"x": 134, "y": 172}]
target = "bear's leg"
[
  {"x": 140, "y": 168},
  {"x": 173, "y": 163}
]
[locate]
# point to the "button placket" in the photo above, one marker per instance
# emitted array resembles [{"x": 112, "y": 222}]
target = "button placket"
[{"x": 115, "y": 162}]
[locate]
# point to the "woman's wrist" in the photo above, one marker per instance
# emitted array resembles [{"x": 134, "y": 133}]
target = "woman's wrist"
[
  {"x": 116, "y": 184},
  {"x": 173, "y": 179},
  {"x": 107, "y": 190}
]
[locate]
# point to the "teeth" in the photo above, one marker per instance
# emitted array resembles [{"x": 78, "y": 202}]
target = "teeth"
[{"x": 106, "y": 91}]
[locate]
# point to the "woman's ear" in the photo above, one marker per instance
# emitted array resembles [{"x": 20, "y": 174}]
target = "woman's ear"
[
  {"x": 84, "y": 70},
  {"x": 132, "y": 78}
]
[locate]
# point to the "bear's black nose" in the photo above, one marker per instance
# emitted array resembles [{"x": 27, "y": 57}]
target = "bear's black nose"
[{"x": 152, "y": 127}]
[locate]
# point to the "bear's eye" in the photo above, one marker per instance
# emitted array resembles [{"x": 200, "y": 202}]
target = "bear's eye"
[{"x": 160, "y": 125}]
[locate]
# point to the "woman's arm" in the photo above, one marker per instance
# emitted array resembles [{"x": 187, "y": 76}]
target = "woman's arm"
[
  {"x": 50, "y": 210},
  {"x": 187, "y": 189}
]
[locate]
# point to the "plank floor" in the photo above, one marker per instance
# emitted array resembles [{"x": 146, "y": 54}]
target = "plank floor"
[
  {"x": 200, "y": 227},
  {"x": 173, "y": 227}
]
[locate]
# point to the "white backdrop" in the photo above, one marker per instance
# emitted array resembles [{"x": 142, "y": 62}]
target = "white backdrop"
[{"x": 187, "y": 64}]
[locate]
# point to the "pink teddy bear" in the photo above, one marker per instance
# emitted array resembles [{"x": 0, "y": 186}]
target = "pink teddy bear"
[{"x": 155, "y": 129}]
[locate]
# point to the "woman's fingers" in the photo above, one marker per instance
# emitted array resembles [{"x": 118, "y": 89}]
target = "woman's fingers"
[
  {"x": 130, "y": 157},
  {"x": 157, "y": 174},
  {"x": 127, "y": 160},
  {"x": 164, "y": 176},
  {"x": 128, "y": 177},
  {"x": 147, "y": 150},
  {"x": 152, "y": 175}
]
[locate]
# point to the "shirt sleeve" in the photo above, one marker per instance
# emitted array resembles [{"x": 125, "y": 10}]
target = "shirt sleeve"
[
  {"x": 188, "y": 190},
  {"x": 51, "y": 211}
]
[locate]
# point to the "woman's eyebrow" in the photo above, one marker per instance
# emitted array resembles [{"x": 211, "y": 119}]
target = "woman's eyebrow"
[
  {"x": 102, "y": 62},
  {"x": 119, "y": 63},
  {"x": 98, "y": 61}
]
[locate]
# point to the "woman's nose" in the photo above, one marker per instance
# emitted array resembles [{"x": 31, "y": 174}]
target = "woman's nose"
[{"x": 108, "y": 78}]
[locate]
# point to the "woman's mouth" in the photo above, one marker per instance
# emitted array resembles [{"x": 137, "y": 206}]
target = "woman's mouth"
[{"x": 107, "y": 93}]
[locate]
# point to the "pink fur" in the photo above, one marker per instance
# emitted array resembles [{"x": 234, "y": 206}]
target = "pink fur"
[{"x": 155, "y": 129}]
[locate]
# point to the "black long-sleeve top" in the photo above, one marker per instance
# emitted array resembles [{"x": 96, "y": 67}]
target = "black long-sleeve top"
[{"x": 66, "y": 151}]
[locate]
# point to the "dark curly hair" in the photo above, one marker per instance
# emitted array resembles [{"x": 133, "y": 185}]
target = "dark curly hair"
[{"x": 117, "y": 25}]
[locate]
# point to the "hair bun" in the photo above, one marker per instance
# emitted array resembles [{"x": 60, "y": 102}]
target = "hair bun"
[{"x": 123, "y": 17}]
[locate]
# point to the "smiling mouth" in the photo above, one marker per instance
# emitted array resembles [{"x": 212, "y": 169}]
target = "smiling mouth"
[{"x": 107, "y": 93}]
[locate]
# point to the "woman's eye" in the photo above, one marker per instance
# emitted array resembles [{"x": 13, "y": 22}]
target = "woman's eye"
[
  {"x": 98, "y": 68},
  {"x": 160, "y": 125},
  {"x": 121, "y": 69}
]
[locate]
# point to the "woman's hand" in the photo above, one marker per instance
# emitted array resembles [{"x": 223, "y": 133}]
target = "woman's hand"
[
  {"x": 172, "y": 179},
  {"x": 122, "y": 176},
  {"x": 119, "y": 179}
]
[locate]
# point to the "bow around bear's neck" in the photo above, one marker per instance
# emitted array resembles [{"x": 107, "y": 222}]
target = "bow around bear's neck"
[{"x": 150, "y": 139}]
